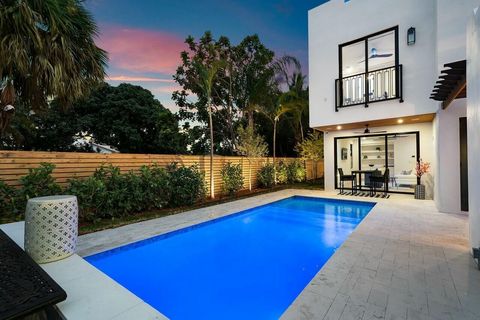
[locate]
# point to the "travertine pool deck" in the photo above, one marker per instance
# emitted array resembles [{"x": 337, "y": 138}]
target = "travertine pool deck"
[
  {"x": 91, "y": 295},
  {"x": 404, "y": 261}
]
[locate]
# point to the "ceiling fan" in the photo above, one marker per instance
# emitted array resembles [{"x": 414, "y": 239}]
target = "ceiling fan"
[
  {"x": 367, "y": 131},
  {"x": 374, "y": 54},
  {"x": 395, "y": 136}
]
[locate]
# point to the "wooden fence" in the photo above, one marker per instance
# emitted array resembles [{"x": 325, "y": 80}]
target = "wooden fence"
[{"x": 15, "y": 164}]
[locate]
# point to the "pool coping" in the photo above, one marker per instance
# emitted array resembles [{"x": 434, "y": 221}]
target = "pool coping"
[
  {"x": 172, "y": 233},
  {"x": 105, "y": 240}
]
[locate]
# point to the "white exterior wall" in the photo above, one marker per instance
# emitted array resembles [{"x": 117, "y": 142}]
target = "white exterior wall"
[
  {"x": 336, "y": 22},
  {"x": 473, "y": 125},
  {"x": 453, "y": 17},
  {"x": 426, "y": 150},
  {"x": 452, "y": 21},
  {"x": 440, "y": 38},
  {"x": 447, "y": 157}
]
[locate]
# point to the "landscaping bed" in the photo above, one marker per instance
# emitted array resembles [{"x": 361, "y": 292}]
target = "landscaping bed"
[
  {"x": 89, "y": 227},
  {"x": 110, "y": 198}
]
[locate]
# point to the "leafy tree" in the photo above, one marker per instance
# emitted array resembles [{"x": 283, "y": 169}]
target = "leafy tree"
[
  {"x": 126, "y": 117},
  {"x": 192, "y": 100},
  {"x": 130, "y": 119},
  {"x": 252, "y": 80},
  {"x": 47, "y": 50},
  {"x": 52, "y": 129},
  {"x": 250, "y": 145},
  {"x": 312, "y": 149},
  {"x": 254, "y": 75},
  {"x": 241, "y": 85}
]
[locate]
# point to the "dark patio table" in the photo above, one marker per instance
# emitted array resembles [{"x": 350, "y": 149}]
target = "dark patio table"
[
  {"x": 358, "y": 177},
  {"x": 25, "y": 288}
]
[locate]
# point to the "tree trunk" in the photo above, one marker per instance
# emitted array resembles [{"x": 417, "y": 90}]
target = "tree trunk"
[
  {"x": 230, "y": 113},
  {"x": 7, "y": 97},
  {"x": 250, "y": 118},
  {"x": 301, "y": 129},
  {"x": 212, "y": 186},
  {"x": 274, "y": 147},
  {"x": 249, "y": 175}
]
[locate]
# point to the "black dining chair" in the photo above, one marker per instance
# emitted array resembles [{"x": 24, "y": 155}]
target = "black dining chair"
[
  {"x": 379, "y": 181},
  {"x": 345, "y": 177}
]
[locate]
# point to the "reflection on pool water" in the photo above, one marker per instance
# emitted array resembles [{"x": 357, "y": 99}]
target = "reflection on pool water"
[{"x": 249, "y": 265}]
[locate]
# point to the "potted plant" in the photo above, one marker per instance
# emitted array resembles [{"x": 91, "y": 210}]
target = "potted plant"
[{"x": 420, "y": 169}]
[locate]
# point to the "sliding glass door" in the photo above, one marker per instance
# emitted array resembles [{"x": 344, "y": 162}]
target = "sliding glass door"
[
  {"x": 402, "y": 161},
  {"x": 361, "y": 155}
]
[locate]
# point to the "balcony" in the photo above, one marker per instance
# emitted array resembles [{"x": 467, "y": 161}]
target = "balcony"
[{"x": 364, "y": 88}]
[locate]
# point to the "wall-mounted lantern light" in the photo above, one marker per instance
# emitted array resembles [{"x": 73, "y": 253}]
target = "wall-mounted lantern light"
[{"x": 411, "y": 36}]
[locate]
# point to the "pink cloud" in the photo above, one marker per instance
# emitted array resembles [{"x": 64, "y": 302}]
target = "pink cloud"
[
  {"x": 138, "y": 79},
  {"x": 141, "y": 50}
]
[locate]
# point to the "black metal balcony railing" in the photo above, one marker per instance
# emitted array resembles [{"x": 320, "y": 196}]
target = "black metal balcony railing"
[{"x": 364, "y": 88}]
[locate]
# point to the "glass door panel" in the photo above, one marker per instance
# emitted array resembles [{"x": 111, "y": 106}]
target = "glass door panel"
[
  {"x": 402, "y": 158},
  {"x": 373, "y": 157},
  {"x": 381, "y": 66},
  {"x": 347, "y": 157},
  {"x": 353, "y": 73}
]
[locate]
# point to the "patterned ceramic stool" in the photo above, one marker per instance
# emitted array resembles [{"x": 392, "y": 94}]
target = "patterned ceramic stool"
[{"x": 51, "y": 227}]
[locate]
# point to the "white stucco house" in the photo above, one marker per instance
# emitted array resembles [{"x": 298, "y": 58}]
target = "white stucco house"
[{"x": 388, "y": 87}]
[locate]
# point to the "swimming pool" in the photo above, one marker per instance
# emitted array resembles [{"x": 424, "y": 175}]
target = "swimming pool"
[{"x": 248, "y": 265}]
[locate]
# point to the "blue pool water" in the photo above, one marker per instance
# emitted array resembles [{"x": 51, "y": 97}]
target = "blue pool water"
[{"x": 249, "y": 265}]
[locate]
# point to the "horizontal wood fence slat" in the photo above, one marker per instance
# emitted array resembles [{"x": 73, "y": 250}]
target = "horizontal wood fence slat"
[{"x": 69, "y": 165}]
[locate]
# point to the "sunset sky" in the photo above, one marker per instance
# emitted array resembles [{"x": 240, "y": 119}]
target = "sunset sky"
[{"x": 144, "y": 38}]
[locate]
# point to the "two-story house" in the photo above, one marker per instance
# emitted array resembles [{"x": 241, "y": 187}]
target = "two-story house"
[{"x": 387, "y": 88}]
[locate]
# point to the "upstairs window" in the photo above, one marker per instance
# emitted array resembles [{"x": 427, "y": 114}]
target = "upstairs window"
[{"x": 369, "y": 69}]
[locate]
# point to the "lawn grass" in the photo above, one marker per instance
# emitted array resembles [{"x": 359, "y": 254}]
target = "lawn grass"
[{"x": 103, "y": 224}]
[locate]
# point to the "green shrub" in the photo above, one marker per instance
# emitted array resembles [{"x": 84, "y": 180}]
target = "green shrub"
[
  {"x": 110, "y": 194},
  {"x": 90, "y": 194},
  {"x": 186, "y": 185},
  {"x": 295, "y": 172},
  {"x": 37, "y": 183},
  {"x": 232, "y": 178},
  {"x": 155, "y": 186},
  {"x": 8, "y": 203},
  {"x": 282, "y": 174},
  {"x": 115, "y": 201},
  {"x": 265, "y": 176}
]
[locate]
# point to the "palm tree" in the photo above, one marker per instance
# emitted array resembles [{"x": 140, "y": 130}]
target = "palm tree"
[
  {"x": 47, "y": 50},
  {"x": 274, "y": 112},
  {"x": 206, "y": 79},
  {"x": 296, "y": 99},
  {"x": 283, "y": 67}
]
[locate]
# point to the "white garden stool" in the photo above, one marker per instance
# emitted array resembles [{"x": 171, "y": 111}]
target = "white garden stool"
[{"x": 51, "y": 227}]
